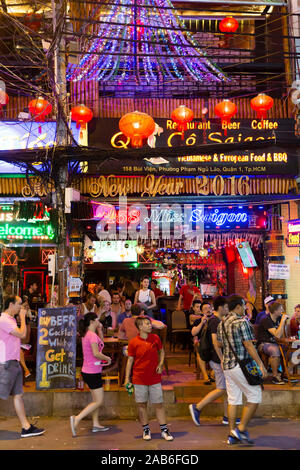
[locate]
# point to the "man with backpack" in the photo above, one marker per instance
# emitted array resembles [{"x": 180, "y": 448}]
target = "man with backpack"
[{"x": 210, "y": 352}]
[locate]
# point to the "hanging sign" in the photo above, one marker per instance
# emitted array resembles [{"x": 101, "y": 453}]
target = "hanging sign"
[
  {"x": 293, "y": 235},
  {"x": 56, "y": 348},
  {"x": 279, "y": 271},
  {"x": 269, "y": 160}
]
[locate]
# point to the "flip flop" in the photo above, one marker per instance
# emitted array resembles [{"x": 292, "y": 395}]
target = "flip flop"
[
  {"x": 97, "y": 429},
  {"x": 72, "y": 424}
]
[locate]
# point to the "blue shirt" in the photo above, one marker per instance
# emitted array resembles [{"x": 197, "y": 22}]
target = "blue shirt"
[{"x": 122, "y": 317}]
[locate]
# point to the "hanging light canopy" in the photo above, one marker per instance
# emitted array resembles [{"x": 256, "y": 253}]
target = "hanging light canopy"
[
  {"x": 137, "y": 126},
  {"x": 145, "y": 43},
  {"x": 182, "y": 115},
  {"x": 261, "y": 104},
  {"x": 225, "y": 110}
]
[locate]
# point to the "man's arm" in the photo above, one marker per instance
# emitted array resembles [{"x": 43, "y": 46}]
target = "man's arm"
[
  {"x": 158, "y": 325},
  {"x": 179, "y": 302},
  {"x": 278, "y": 333},
  {"x": 160, "y": 366},
  {"x": 216, "y": 346},
  {"x": 21, "y": 331},
  {"x": 129, "y": 365},
  {"x": 196, "y": 329}
]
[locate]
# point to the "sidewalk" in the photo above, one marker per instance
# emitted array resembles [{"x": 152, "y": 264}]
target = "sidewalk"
[{"x": 269, "y": 434}]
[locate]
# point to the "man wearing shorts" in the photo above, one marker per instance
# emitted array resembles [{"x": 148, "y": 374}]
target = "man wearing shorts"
[
  {"x": 240, "y": 335},
  {"x": 270, "y": 328},
  {"x": 145, "y": 359},
  {"x": 11, "y": 376},
  {"x": 220, "y": 310}
]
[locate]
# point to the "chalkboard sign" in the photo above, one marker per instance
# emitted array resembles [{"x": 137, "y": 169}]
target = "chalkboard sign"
[{"x": 56, "y": 348}]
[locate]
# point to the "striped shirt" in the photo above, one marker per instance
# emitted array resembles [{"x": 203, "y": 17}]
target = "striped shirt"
[{"x": 238, "y": 330}]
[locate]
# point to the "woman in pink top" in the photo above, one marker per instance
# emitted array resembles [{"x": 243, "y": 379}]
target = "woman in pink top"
[{"x": 92, "y": 346}]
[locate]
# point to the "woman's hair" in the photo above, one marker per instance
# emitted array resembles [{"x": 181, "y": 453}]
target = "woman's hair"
[
  {"x": 129, "y": 290},
  {"x": 84, "y": 323}
]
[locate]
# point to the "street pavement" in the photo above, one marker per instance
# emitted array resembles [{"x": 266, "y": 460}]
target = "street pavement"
[{"x": 268, "y": 434}]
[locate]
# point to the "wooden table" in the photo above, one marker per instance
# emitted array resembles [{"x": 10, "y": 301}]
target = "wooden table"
[
  {"x": 114, "y": 346},
  {"x": 290, "y": 351}
]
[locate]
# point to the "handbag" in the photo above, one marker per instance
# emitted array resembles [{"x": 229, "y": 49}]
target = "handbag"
[{"x": 248, "y": 366}]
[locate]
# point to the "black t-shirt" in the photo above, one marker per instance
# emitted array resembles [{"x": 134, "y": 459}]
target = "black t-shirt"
[
  {"x": 212, "y": 327},
  {"x": 263, "y": 335},
  {"x": 106, "y": 321}
]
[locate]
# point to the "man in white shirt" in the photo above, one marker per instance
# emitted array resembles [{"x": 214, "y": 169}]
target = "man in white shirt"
[
  {"x": 103, "y": 293},
  {"x": 11, "y": 382}
]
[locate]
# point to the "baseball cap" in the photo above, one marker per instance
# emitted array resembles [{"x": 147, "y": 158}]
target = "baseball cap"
[{"x": 268, "y": 299}]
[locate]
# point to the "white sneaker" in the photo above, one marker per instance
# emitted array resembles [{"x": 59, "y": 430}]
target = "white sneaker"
[
  {"x": 167, "y": 436},
  {"x": 147, "y": 435}
]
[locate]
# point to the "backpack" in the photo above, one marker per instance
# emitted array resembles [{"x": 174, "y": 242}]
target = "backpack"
[{"x": 204, "y": 347}]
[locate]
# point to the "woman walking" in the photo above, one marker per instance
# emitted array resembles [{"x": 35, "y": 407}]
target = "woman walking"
[{"x": 92, "y": 345}]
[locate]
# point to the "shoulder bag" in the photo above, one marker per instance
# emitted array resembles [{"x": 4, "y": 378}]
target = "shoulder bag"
[{"x": 248, "y": 366}]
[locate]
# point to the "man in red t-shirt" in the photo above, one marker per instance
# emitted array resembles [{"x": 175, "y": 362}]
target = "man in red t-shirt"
[
  {"x": 146, "y": 359},
  {"x": 187, "y": 294}
]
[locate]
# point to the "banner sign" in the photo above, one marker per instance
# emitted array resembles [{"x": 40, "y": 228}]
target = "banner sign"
[
  {"x": 279, "y": 271},
  {"x": 293, "y": 235},
  {"x": 105, "y": 133},
  {"x": 56, "y": 348}
]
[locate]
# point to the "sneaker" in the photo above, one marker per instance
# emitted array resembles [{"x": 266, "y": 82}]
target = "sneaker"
[
  {"x": 225, "y": 420},
  {"x": 195, "y": 414},
  {"x": 277, "y": 381},
  {"x": 243, "y": 436},
  {"x": 285, "y": 379},
  {"x": 147, "y": 434},
  {"x": 232, "y": 440},
  {"x": 32, "y": 431},
  {"x": 166, "y": 435}
]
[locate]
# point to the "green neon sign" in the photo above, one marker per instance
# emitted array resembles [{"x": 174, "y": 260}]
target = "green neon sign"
[{"x": 26, "y": 231}]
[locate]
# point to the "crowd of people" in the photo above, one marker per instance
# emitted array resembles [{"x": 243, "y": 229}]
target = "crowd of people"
[{"x": 225, "y": 333}]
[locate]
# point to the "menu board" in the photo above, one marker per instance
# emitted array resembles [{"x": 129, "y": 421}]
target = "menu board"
[{"x": 56, "y": 348}]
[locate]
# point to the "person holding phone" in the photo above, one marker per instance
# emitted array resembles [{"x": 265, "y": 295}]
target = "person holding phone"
[
  {"x": 90, "y": 330},
  {"x": 11, "y": 376}
]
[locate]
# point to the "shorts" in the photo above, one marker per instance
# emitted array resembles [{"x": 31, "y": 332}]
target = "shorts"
[
  {"x": 153, "y": 393},
  {"x": 93, "y": 381},
  {"x": 219, "y": 375},
  {"x": 270, "y": 349},
  {"x": 237, "y": 385},
  {"x": 11, "y": 379}
]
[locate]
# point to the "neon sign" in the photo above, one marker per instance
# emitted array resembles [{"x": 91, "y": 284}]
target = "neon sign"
[
  {"x": 218, "y": 218},
  {"x": 28, "y": 232},
  {"x": 293, "y": 228},
  {"x": 11, "y": 228}
]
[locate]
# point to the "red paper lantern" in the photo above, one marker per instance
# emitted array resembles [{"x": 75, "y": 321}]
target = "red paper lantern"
[
  {"x": 4, "y": 99},
  {"x": 261, "y": 104},
  {"x": 228, "y": 25},
  {"x": 81, "y": 115},
  {"x": 137, "y": 126},
  {"x": 182, "y": 115},
  {"x": 39, "y": 108},
  {"x": 225, "y": 110}
]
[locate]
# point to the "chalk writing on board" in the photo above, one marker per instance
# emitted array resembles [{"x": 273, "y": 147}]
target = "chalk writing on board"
[{"x": 56, "y": 348}]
